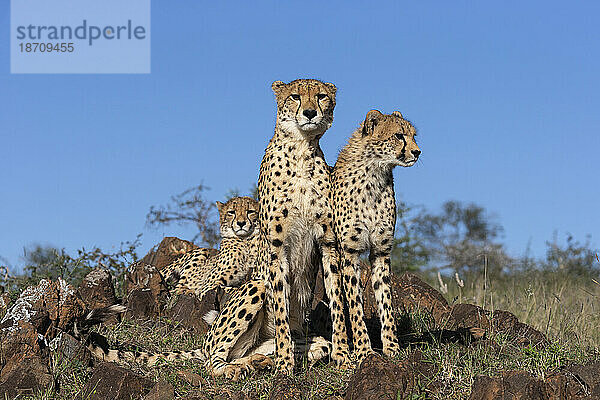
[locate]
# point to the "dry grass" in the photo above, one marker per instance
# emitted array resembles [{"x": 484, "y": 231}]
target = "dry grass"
[{"x": 565, "y": 308}]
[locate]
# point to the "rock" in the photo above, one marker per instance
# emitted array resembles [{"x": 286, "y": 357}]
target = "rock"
[
  {"x": 191, "y": 378},
  {"x": 515, "y": 385},
  {"x": 380, "y": 378},
  {"x": 71, "y": 349},
  {"x": 471, "y": 316},
  {"x": 188, "y": 311},
  {"x": 572, "y": 382},
  {"x": 286, "y": 388},
  {"x": 582, "y": 379},
  {"x": 39, "y": 314},
  {"x": 26, "y": 377},
  {"x": 169, "y": 249},
  {"x": 146, "y": 292},
  {"x": 141, "y": 305},
  {"x": 17, "y": 343},
  {"x": 97, "y": 290},
  {"x": 163, "y": 390},
  {"x": 47, "y": 305},
  {"x": 110, "y": 381},
  {"x": 522, "y": 334},
  {"x": 377, "y": 378}
]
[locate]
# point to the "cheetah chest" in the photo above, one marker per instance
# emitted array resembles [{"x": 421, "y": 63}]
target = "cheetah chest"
[{"x": 309, "y": 190}]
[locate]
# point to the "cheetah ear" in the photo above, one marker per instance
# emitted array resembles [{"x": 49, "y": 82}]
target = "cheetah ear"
[
  {"x": 331, "y": 87},
  {"x": 398, "y": 114},
  {"x": 219, "y": 205},
  {"x": 371, "y": 121},
  {"x": 278, "y": 87}
]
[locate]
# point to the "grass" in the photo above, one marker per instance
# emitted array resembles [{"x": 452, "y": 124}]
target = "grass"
[{"x": 565, "y": 308}]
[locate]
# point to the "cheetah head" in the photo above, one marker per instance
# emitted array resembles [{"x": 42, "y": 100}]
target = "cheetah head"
[
  {"x": 390, "y": 138},
  {"x": 305, "y": 106},
  {"x": 238, "y": 217}
]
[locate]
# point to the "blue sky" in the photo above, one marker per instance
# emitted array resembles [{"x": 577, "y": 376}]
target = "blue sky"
[{"x": 505, "y": 96}]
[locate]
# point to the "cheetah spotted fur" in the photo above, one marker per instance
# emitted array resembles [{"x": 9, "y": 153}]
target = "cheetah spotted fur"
[{"x": 365, "y": 215}]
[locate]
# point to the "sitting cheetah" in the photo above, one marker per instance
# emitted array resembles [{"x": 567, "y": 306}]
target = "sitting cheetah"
[
  {"x": 225, "y": 350},
  {"x": 229, "y": 347},
  {"x": 365, "y": 214},
  {"x": 296, "y": 221},
  {"x": 296, "y": 229},
  {"x": 201, "y": 270}
]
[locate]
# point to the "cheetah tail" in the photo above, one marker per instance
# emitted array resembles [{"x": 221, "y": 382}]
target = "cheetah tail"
[
  {"x": 210, "y": 317},
  {"x": 94, "y": 317},
  {"x": 98, "y": 346}
]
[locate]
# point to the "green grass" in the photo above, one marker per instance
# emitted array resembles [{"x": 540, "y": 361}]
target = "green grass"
[{"x": 565, "y": 308}]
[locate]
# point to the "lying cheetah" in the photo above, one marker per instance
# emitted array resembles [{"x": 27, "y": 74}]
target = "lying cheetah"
[
  {"x": 296, "y": 223},
  {"x": 201, "y": 270},
  {"x": 365, "y": 214}
]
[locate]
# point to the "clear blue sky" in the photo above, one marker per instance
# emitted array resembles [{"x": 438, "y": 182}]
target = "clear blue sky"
[{"x": 506, "y": 97}]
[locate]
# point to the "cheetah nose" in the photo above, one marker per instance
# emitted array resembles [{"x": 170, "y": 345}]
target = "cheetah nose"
[
  {"x": 241, "y": 223},
  {"x": 416, "y": 153},
  {"x": 310, "y": 113}
]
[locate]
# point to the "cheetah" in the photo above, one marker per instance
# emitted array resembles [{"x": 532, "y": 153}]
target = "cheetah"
[
  {"x": 365, "y": 215},
  {"x": 225, "y": 350},
  {"x": 296, "y": 219},
  {"x": 201, "y": 270},
  {"x": 227, "y": 344},
  {"x": 231, "y": 347}
]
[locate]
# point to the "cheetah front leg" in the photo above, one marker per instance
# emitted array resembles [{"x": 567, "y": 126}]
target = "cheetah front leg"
[
  {"x": 351, "y": 273},
  {"x": 280, "y": 292},
  {"x": 381, "y": 286},
  {"x": 333, "y": 288},
  {"x": 234, "y": 330}
]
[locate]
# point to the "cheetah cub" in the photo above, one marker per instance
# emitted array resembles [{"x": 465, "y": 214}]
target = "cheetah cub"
[
  {"x": 201, "y": 270},
  {"x": 365, "y": 215}
]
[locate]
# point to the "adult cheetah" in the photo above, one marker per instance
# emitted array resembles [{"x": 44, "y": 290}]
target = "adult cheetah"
[
  {"x": 365, "y": 214},
  {"x": 198, "y": 272},
  {"x": 296, "y": 218}
]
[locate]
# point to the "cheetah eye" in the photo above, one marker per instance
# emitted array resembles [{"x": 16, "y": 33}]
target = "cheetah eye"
[
  {"x": 250, "y": 212},
  {"x": 400, "y": 136},
  {"x": 230, "y": 212},
  {"x": 295, "y": 97},
  {"x": 321, "y": 96}
]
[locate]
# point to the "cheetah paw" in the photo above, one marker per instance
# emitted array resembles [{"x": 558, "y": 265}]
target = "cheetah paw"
[
  {"x": 260, "y": 362},
  {"x": 235, "y": 372}
]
